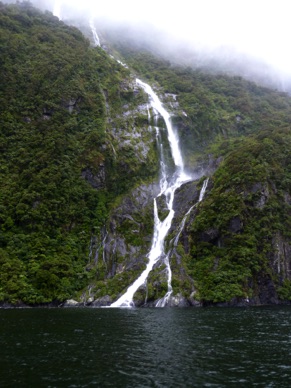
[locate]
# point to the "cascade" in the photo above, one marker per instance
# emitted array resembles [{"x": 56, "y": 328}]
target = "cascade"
[
  {"x": 94, "y": 33},
  {"x": 169, "y": 183},
  {"x": 202, "y": 192},
  {"x": 201, "y": 196},
  {"x": 181, "y": 227},
  {"x": 174, "y": 242}
]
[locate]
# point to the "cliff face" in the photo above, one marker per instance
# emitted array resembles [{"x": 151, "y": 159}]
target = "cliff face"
[{"x": 79, "y": 171}]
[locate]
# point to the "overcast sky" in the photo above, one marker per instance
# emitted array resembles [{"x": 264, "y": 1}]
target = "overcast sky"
[{"x": 261, "y": 28}]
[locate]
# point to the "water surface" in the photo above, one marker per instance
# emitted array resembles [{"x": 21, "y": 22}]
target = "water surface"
[{"x": 145, "y": 347}]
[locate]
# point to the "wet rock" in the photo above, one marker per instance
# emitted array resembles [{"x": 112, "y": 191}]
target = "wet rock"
[
  {"x": 280, "y": 259},
  {"x": 235, "y": 225},
  {"x": 130, "y": 231},
  {"x": 71, "y": 104},
  {"x": 210, "y": 235},
  {"x": 71, "y": 303},
  {"x": 140, "y": 296},
  {"x": 264, "y": 195},
  {"x": 287, "y": 198},
  {"x": 97, "y": 181},
  {"x": 163, "y": 210},
  {"x": 102, "y": 301},
  {"x": 192, "y": 301},
  {"x": 178, "y": 301},
  {"x": 185, "y": 196},
  {"x": 266, "y": 290},
  {"x": 47, "y": 113},
  {"x": 211, "y": 165},
  {"x": 256, "y": 187},
  {"x": 234, "y": 302}
]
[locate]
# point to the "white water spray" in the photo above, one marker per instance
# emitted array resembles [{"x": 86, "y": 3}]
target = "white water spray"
[
  {"x": 202, "y": 192},
  {"x": 173, "y": 140},
  {"x": 163, "y": 301},
  {"x": 168, "y": 187},
  {"x": 182, "y": 225},
  {"x": 94, "y": 33}
]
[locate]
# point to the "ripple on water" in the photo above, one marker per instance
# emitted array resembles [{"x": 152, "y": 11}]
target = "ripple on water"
[{"x": 147, "y": 347}]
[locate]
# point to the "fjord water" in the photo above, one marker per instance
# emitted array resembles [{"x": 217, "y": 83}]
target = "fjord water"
[{"x": 167, "y": 347}]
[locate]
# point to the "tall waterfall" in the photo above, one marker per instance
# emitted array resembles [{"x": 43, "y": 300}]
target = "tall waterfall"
[
  {"x": 94, "y": 33},
  {"x": 168, "y": 185}
]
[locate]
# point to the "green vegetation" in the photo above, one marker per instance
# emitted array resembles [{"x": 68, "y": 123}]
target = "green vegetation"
[
  {"x": 216, "y": 106},
  {"x": 74, "y": 145},
  {"x": 232, "y": 249},
  {"x": 232, "y": 236},
  {"x": 58, "y": 172}
]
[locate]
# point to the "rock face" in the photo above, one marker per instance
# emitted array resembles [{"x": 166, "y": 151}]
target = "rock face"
[
  {"x": 280, "y": 259},
  {"x": 186, "y": 196},
  {"x": 71, "y": 303},
  {"x": 95, "y": 180},
  {"x": 129, "y": 230},
  {"x": 120, "y": 253},
  {"x": 102, "y": 301},
  {"x": 280, "y": 263},
  {"x": 128, "y": 236},
  {"x": 127, "y": 241}
]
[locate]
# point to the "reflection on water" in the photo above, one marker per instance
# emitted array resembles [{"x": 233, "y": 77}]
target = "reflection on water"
[{"x": 145, "y": 347}]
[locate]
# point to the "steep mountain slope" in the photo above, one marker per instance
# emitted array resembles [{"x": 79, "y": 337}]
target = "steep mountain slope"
[
  {"x": 66, "y": 152},
  {"x": 79, "y": 168}
]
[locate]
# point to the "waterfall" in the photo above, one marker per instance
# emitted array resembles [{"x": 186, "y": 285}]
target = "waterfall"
[
  {"x": 173, "y": 140},
  {"x": 202, "y": 192},
  {"x": 174, "y": 242},
  {"x": 181, "y": 227},
  {"x": 201, "y": 196},
  {"x": 94, "y": 33},
  {"x": 168, "y": 186}
]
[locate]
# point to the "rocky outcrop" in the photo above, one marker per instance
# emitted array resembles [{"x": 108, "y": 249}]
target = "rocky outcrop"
[
  {"x": 97, "y": 181},
  {"x": 127, "y": 241},
  {"x": 210, "y": 235},
  {"x": 185, "y": 196},
  {"x": 72, "y": 104},
  {"x": 280, "y": 259},
  {"x": 129, "y": 232},
  {"x": 102, "y": 301},
  {"x": 72, "y": 303},
  {"x": 263, "y": 194}
]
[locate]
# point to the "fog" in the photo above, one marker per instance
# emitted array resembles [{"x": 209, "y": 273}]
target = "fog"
[{"x": 250, "y": 35}]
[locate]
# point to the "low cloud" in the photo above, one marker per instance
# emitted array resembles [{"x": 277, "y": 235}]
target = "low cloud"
[{"x": 219, "y": 29}]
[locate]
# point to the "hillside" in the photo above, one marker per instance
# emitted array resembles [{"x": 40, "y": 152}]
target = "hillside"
[
  {"x": 79, "y": 171},
  {"x": 60, "y": 162}
]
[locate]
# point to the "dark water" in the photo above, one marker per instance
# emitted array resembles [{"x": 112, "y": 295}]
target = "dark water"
[{"x": 145, "y": 347}]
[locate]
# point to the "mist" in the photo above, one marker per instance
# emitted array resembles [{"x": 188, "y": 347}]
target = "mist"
[{"x": 245, "y": 37}]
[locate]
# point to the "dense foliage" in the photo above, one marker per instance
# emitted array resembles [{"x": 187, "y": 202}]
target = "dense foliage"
[
  {"x": 74, "y": 145},
  {"x": 216, "y": 106},
  {"x": 236, "y": 233},
  {"x": 240, "y": 239},
  {"x": 55, "y": 97}
]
